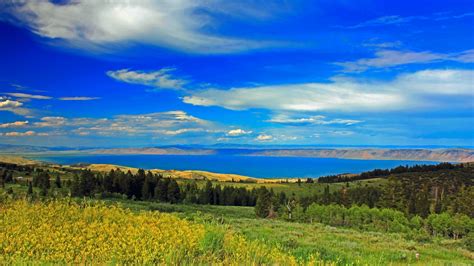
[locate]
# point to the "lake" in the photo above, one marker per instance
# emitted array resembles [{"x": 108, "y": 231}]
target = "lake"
[{"x": 255, "y": 166}]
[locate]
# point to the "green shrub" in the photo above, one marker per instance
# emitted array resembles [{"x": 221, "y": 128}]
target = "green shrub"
[{"x": 468, "y": 241}]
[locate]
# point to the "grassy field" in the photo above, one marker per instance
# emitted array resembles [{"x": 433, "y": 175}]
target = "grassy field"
[
  {"x": 344, "y": 246},
  {"x": 302, "y": 242},
  {"x": 64, "y": 231}
]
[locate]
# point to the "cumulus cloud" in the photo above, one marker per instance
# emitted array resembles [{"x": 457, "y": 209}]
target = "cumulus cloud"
[
  {"x": 51, "y": 121},
  {"x": 312, "y": 120},
  {"x": 14, "y": 124},
  {"x": 13, "y": 106},
  {"x": 78, "y": 98},
  {"x": 162, "y": 78},
  {"x": 410, "y": 90},
  {"x": 169, "y": 123},
  {"x": 28, "y": 96},
  {"x": 264, "y": 137},
  {"x": 238, "y": 132},
  {"x": 6, "y": 103},
  {"x": 181, "y": 25}
]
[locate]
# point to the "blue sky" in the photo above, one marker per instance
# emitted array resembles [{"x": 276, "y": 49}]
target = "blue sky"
[{"x": 138, "y": 73}]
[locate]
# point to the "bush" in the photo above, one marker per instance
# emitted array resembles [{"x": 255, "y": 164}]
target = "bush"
[{"x": 468, "y": 241}]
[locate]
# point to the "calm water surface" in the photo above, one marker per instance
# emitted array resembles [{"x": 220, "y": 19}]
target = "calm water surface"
[{"x": 256, "y": 166}]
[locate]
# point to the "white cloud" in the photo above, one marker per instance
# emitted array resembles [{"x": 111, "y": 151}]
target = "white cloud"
[
  {"x": 180, "y": 131},
  {"x": 78, "y": 98},
  {"x": 400, "y": 20},
  {"x": 51, "y": 121},
  {"x": 373, "y": 43},
  {"x": 296, "y": 97},
  {"x": 14, "y": 124},
  {"x": 341, "y": 133},
  {"x": 406, "y": 91},
  {"x": 311, "y": 120},
  {"x": 393, "y": 58},
  {"x": 13, "y": 106},
  {"x": 238, "y": 132},
  {"x": 169, "y": 123},
  {"x": 390, "y": 58},
  {"x": 27, "y": 96},
  {"x": 436, "y": 82},
  {"x": 157, "y": 79},
  {"x": 466, "y": 56},
  {"x": 387, "y": 20},
  {"x": 104, "y": 25},
  {"x": 23, "y": 134},
  {"x": 264, "y": 137},
  {"x": 6, "y": 103}
]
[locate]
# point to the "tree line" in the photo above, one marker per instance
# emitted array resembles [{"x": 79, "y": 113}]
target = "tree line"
[
  {"x": 386, "y": 172},
  {"x": 413, "y": 193},
  {"x": 381, "y": 219},
  {"x": 148, "y": 186}
]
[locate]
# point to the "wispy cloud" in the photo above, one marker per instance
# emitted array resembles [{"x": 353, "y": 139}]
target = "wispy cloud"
[
  {"x": 400, "y": 20},
  {"x": 393, "y": 58},
  {"x": 311, "y": 120},
  {"x": 387, "y": 20},
  {"x": 28, "y": 96},
  {"x": 181, "y": 131},
  {"x": 158, "y": 79},
  {"x": 406, "y": 91},
  {"x": 29, "y": 133},
  {"x": 78, "y": 98},
  {"x": 466, "y": 56},
  {"x": 383, "y": 45},
  {"x": 181, "y": 25}
]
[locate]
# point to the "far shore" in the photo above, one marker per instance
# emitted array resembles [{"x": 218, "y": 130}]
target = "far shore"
[{"x": 179, "y": 174}]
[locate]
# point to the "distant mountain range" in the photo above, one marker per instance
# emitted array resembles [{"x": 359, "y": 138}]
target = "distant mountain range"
[
  {"x": 372, "y": 153},
  {"x": 435, "y": 155}
]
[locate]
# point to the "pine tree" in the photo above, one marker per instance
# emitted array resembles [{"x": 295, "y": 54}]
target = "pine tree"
[
  {"x": 326, "y": 195},
  {"x": 161, "y": 190},
  {"x": 58, "y": 181},
  {"x": 75, "y": 186},
  {"x": 264, "y": 203},
  {"x": 206, "y": 195},
  {"x": 30, "y": 189},
  {"x": 173, "y": 192},
  {"x": 44, "y": 191},
  {"x": 146, "y": 193}
]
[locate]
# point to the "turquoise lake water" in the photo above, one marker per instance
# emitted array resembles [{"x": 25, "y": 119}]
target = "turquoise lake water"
[{"x": 256, "y": 166}]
